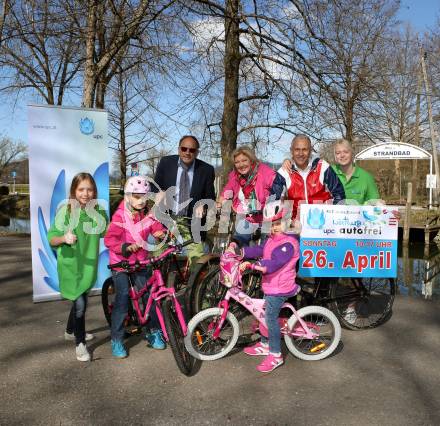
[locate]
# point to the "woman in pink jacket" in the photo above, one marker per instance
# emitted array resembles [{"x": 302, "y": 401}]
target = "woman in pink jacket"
[
  {"x": 249, "y": 186},
  {"x": 278, "y": 257},
  {"x": 126, "y": 239}
]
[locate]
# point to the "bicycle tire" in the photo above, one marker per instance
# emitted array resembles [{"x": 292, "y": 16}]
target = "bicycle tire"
[
  {"x": 131, "y": 323},
  {"x": 202, "y": 326},
  {"x": 176, "y": 337},
  {"x": 173, "y": 272},
  {"x": 201, "y": 271},
  {"x": 320, "y": 319},
  {"x": 364, "y": 303},
  {"x": 211, "y": 291}
]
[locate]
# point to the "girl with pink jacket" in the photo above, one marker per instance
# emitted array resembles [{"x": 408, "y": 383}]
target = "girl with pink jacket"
[
  {"x": 126, "y": 239},
  {"x": 278, "y": 257}
]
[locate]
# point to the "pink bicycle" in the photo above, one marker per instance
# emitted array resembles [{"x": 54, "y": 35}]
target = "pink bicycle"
[
  {"x": 169, "y": 311},
  {"x": 311, "y": 333}
]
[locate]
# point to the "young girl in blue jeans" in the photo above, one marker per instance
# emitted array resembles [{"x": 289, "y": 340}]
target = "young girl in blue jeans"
[
  {"x": 78, "y": 227},
  {"x": 278, "y": 257},
  {"x": 126, "y": 239}
]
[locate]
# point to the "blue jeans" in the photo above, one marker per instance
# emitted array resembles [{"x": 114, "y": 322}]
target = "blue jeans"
[
  {"x": 76, "y": 323},
  {"x": 120, "y": 305},
  {"x": 273, "y": 308}
]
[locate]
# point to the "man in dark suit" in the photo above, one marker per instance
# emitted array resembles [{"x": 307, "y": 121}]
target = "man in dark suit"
[{"x": 193, "y": 180}]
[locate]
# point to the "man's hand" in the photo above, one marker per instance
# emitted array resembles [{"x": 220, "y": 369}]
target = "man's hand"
[
  {"x": 396, "y": 214},
  {"x": 198, "y": 211},
  {"x": 287, "y": 165},
  {"x": 70, "y": 238}
]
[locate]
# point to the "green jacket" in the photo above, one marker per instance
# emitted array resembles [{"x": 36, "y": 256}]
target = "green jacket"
[
  {"x": 361, "y": 187},
  {"x": 77, "y": 264}
]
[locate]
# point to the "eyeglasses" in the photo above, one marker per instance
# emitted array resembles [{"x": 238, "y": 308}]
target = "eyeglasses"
[{"x": 191, "y": 150}]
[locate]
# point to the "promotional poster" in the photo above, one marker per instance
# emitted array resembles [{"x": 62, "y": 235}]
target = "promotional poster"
[
  {"x": 62, "y": 143},
  {"x": 348, "y": 241}
]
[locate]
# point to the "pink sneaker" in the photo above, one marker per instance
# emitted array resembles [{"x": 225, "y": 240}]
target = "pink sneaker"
[
  {"x": 270, "y": 363},
  {"x": 257, "y": 349}
]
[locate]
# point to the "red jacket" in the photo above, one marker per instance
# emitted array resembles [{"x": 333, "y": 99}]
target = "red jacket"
[{"x": 321, "y": 184}]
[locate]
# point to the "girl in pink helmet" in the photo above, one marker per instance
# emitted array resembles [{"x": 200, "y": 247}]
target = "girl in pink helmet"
[
  {"x": 126, "y": 239},
  {"x": 277, "y": 256}
]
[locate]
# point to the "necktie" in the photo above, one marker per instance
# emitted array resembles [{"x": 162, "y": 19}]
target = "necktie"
[{"x": 184, "y": 188}]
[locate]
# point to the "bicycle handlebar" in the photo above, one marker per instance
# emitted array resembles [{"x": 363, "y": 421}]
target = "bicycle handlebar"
[
  {"x": 125, "y": 264},
  {"x": 234, "y": 213}
]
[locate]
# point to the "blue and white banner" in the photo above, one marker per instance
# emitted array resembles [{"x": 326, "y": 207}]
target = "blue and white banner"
[
  {"x": 348, "y": 241},
  {"x": 62, "y": 143}
]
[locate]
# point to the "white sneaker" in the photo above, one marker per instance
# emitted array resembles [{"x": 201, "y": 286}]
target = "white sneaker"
[
  {"x": 82, "y": 354},
  {"x": 350, "y": 315},
  {"x": 71, "y": 336}
]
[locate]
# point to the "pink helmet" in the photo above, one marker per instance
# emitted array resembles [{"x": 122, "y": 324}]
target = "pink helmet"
[{"x": 137, "y": 185}]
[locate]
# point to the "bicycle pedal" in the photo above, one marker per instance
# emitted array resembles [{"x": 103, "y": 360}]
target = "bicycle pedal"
[
  {"x": 317, "y": 347},
  {"x": 199, "y": 338},
  {"x": 308, "y": 290}
]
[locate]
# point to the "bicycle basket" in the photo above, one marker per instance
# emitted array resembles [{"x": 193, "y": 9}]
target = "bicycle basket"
[{"x": 230, "y": 275}]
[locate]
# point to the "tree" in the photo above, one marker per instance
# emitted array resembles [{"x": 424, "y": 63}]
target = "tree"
[
  {"x": 9, "y": 151},
  {"x": 110, "y": 29},
  {"x": 250, "y": 63},
  {"x": 4, "y": 6},
  {"x": 134, "y": 133},
  {"x": 40, "y": 49},
  {"x": 343, "y": 41}
]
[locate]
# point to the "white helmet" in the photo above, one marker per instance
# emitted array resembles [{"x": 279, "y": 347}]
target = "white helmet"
[
  {"x": 137, "y": 185},
  {"x": 273, "y": 211}
]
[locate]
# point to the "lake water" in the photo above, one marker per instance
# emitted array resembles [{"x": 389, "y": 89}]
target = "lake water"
[
  {"x": 419, "y": 271},
  {"x": 13, "y": 224}
]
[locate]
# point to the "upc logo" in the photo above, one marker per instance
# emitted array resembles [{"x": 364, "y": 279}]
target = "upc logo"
[
  {"x": 372, "y": 217},
  {"x": 86, "y": 126},
  {"x": 316, "y": 218}
]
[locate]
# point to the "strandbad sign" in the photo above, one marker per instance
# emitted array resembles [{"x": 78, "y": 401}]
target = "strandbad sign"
[
  {"x": 348, "y": 241},
  {"x": 392, "y": 151}
]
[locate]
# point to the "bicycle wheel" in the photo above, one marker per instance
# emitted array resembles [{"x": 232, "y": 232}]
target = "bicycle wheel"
[
  {"x": 175, "y": 273},
  {"x": 321, "y": 321},
  {"x": 362, "y": 303},
  {"x": 211, "y": 291},
  {"x": 199, "y": 340},
  {"x": 196, "y": 278},
  {"x": 176, "y": 337},
  {"x": 131, "y": 323}
]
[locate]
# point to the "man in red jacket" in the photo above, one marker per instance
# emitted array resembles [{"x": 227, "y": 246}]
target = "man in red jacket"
[{"x": 309, "y": 180}]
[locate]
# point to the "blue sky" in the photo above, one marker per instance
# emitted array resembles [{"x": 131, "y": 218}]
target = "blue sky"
[{"x": 421, "y": 14}]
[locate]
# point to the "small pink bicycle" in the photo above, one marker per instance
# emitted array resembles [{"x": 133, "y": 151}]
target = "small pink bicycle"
[
  {"x": 311, "y": 333},
  {"x": 168, "y": 309}
]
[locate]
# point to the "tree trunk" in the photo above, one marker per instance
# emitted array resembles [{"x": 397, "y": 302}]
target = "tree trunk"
[
  {"x": 89, "y": 71},
  {"x": 4, "y": 12},
  {"x": 349, "y": 120},
  {"x": 101, "y": 88},
  {"x": 397, "y": 187},
  {"x": 232, "y": 59},
  {"x": 122, "y": 147},
  {"x": 415, "y": 171}
]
